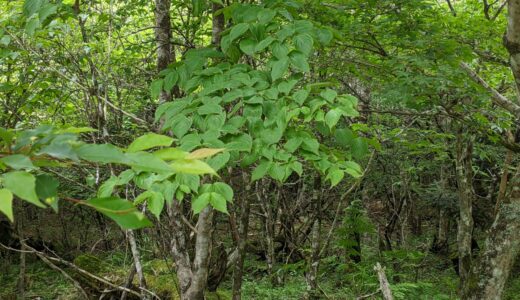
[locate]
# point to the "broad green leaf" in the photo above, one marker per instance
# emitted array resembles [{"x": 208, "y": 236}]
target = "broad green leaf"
[
  {"x": 123, "y": 212},
  {"x": 32, "y": 24},
  {"x": 329, "y": 95},
  {"x": 144, "y": 161},
  {"x": 46, "y": 10},
  {"x": 266, "y": 15},
  {"x": 299, "y": 61},
  {"x": 203, "y": 153},
  {"x": 190, "y": 166},
  {"x": 6, "y": 203},
  {"x": 23, "y": 185},
  {"x": 353, "y": 169},
  {"x": 218, "y": 202},
  {"x": 279, "y": 68},
  {"x": 264, "y": 43},
  {"x": 332, "y": 117},
  {"x": 219, "y": 161},
  {"x": 241, "y": 143},
  {"x": 248, "y": 46},
  {"x": 31, "y": 7},
  {"x": 155, "y": 88},
  {"x": 304, "y": 43},
  {"x": 17, "y": 161},
  {"x": 170, "y": 154},
  {"x": 106, "y": 189},
  {"x": 335, "y": 175},
  {"x": 102, "y": 153},
  {"x": 223, "y": 189},
  {"x": 237, "y": 31},
  {"x": 261, "y": 170},
  {"x": 156, "y": 204},
  {"x": 59, "y": 151},
  {"x": 199, "y": 203},
  {"x": 47, "y": 190},
  {"x": 170, "y": 80},
  {"x": 150, "y": 140},
  {"x": 180, "y": 125},
  {"x": 359, "y": 147}
]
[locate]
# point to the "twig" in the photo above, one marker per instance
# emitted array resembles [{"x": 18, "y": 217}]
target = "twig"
[{"x": 369, "y": 295}]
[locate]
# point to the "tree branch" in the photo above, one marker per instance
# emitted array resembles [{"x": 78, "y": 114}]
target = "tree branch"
[{"x": 496, "y": 97}]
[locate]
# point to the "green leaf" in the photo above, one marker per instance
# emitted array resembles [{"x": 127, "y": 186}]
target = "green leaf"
[
  {"x": 261, "y": 170},
  {"x": 237, "y": 31},
  {"x": 218, "y": 202},
  {"x": 223, "y": 189},
  {"x": 332, "y": 117},
  {"x": 353, "y": 169},
  {"x": 359, "y": 147},
  {"x": 300, "y": 96},
  {"x": 59, "y": 151},
  {"x": 304, "y": 43},
  {"x": 279, "y": 68},
  {"x": 47, "y": 10},
  {"x": 170, "y": 80},
  {"x": 292, "y": 144},
  {"x": 31, "y": 7},
  {"x": 102, "y": 153},
  {"x": 335, "y": 175},
  {"x": 264, "y": 43},
  {"x": 32, "y": 24},
  {"x": 156, "y": 88},
  {"x": 324, "y": 36},
  {"x": 156, "y": 204},
  {"x": 241, "y": 143},
  {"x": 311, "y": 145},
  {"x": 344, "y": 137},
  {"x": 329, "y": 95},
  {"x": 248, "y": 46},
  {"x": 23, "y": 185},
  {"x": 180, "y": 125},
  {"x": 17, "y": 161},
  {"x": 144, "y": 161},
  {"x": 149, "y": 140},
  {"x": 299, "y": 61},
  {"x": 199, "y": 203},
  {"x": 189, "y": 166},
  {"x": 204, "y": 153},
  {"x": 266, "y": 15},
  {"x": 6, "y": 203},
  {"x": 209, "y": 108},
  {"x": 170, "y": 154},
  {"x": 123, "y": 212},
  {"x": 106, "y": 189},
  {"x": 47, "y": 190}
]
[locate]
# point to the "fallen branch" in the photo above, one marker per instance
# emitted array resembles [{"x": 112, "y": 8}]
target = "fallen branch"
[{"x": 384, "y": 286}]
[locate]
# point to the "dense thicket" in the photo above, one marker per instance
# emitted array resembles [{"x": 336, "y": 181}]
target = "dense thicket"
[{"x": 343, "y": 149}]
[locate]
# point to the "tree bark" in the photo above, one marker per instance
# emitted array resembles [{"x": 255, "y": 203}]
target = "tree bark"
[
  {"x": 489, "y": 276},
  {"x": 465, "y": 191},
  {"x": 241, "y": 245},
  {"x": 137, "y": 262},
  {"x": 163, "y": 35}
]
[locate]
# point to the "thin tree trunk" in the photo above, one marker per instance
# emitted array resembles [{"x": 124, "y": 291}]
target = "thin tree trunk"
[
  {"x": 165, "y": 51},
  {"x": 490, "y": 272},
  {"x": 465, "y": 190},
  {"x": 137, "y": 262},
  {"x": 202, "y": 255},
  {"x": 314, "y": 259},
  {"x": 241, "y": 245}
]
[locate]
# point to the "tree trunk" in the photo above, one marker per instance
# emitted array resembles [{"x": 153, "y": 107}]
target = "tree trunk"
[
  {"x": 163, "y": 35},
  {"x": 314, "y": 259},
  {"x": 137, "y": 262},
  {"x": 241, "y": 245},
  {"x": 465, "y": 190},
  {"x": 490, "y": 272}
]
